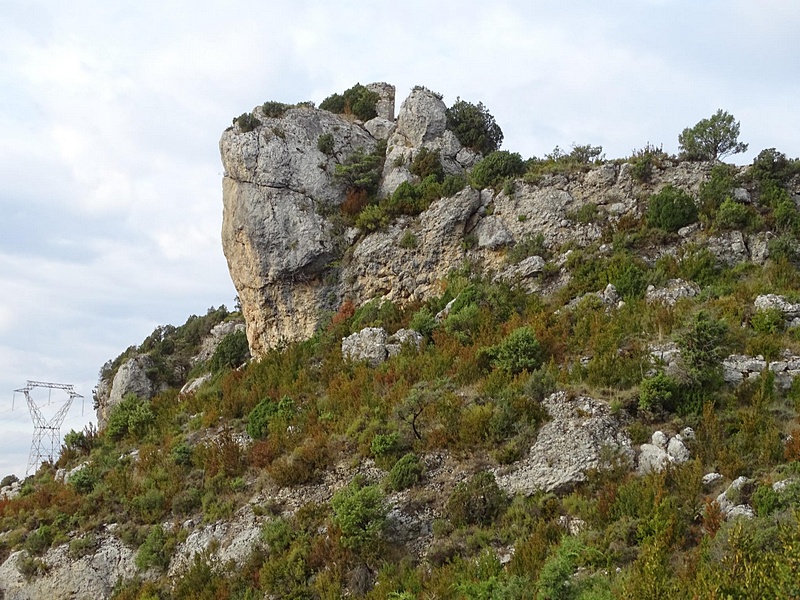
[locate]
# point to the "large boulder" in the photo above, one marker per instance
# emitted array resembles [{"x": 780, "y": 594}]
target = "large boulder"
[
  {"x": 130, "y": 378},
  {"x": 581, "y": 434}
]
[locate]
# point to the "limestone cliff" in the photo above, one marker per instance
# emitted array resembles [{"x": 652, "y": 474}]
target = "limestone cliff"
[{"x": 290, "y": 263}]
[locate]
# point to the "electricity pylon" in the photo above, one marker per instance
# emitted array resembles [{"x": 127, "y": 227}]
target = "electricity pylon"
[{"x": 46, "y": 432}]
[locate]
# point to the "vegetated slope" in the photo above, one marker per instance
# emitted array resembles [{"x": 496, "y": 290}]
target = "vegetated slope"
[{"x": 310, "y": 474}]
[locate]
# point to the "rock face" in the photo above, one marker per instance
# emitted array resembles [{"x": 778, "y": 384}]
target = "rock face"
[
  {"x": 374, "y": 345},
  {"x": 131, "y": 378},
  {"x": 291, "y": 260},
  {"x": 90, "y": 576},
  {"x": 663, "y": 450},
  {"x": 580, "y": 435}
]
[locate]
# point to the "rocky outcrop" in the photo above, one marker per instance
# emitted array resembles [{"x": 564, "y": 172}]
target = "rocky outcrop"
[
  {"x": 674, "y": 290},
  {"x": 790, "y": 311},
  {"x": 291, "y": 260},
  {"x": 581, "y": 434},
  {"x": 734, "y": 501},
  {"x": 131, "y": 378},
  {"x": 374, "y": 345},
  {"x": 93, "y": 575},
  {"x": 738, "y": 367},
  {"x": 214, "y": 338},
  {"x": 663, "y": 450}
]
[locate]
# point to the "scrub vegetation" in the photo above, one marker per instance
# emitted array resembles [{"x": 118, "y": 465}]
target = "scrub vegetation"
[{"x": 474, "y": 392}]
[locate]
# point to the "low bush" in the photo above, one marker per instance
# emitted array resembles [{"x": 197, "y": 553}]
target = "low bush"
[
  {"x": 372, "y": 218},
  {"x": 645, "y": 160},
  {"x": 359, "y": 511},
  {"x": 495, "y": 168},
  {"x": 357, "y": 101},
  {"x": 406, "y": 472},
  {"x": 233, "y": 351},
  {"x": 325, "y": 143},
  {"x": 519, "y": 352},
  {"x": 732, "y": 215},
  {"x": 427, "y": 163},
  {"x": 246, "y": 122},
  {"x": 670, "y": 209},
  {"x": 478, "y": 501}
]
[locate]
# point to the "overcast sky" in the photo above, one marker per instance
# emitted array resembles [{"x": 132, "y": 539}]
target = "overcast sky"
[{"x": 110, "y": 115}]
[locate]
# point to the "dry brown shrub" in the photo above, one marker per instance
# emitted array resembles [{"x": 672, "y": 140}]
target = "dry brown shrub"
[
  {"x": 354, "y": 202},
  {"x": 791, "y": 450}
]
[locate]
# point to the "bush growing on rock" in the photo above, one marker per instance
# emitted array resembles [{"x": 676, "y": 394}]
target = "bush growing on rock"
[
  {"x": 478, "y": 501},
  {"x": 359, "y": 511},
  {"x": 495, "y": 168},
  {"x": 232, "y": 352},
  {"x": 357, "y": 101},
  {"x": 427, "y": 163},
  {"x": 406, "y": 472},
  {"x": 325, "y": 143},
  {"x": 670, "y": 209},
  {"x": 474, "y": 126},
  {"x": 246, "y": 122}
]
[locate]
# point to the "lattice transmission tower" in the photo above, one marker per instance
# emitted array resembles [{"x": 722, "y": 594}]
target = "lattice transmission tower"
[{"x": 46, "y": 432}]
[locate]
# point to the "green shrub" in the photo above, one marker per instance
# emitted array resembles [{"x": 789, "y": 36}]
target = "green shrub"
[
  {"x": 360, "y": 513},
  {"x": 478, "y": 501},
  {"x": 643, "y": 161},
  {"x": 495, "y": 168},
  {"x": 278, "y": 534},
  {"x": 133, "y": 416},
  {"x": 529, "y": 245},
  {"x": 670, "y": 209},
  {"x": 406, "y": 472},
  {"x": 718, "y": 187},
  {"x": 153, "y": 552},
  {"x": 424, "y": 322},
  {"x": 787, "y": 218},
  {"x": 83, "y": 546},
  {"x": 385, "y": 447},
  {"x": 274, "y": 109},
  {"x": 474, "y": 126},
  {"x": 409, "y": 241},
  {"x": 360, "y": 171},
  {"x": 357, "y": 101},
  {"x": 702, "y": 350},
  {"x": 770, "y": 321},
  {"x": 452, "y": 184},
  {"x": 427, "y": 163},
  {"x": 519, "y": 352},
  {"x": 657, "y": 392},
  {"x": 246, "y": 122},
  {"x": 265, "y": 411},
  {"x": 772, "y": 167},
  {"x": 39, "y": 541},
  {"x": 784, "y": 247},
  {"x": 372, "y": 218},
  {"x": 84, "y": 480},
  {"x": 712, "y": 139},
  {"x": 232, "y": 352},
  {"x": 325, "y": 143},
  {"x": 732, "y": 215}
]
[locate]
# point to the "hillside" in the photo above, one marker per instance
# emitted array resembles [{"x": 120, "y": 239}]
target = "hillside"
[{"x": 474, "y": 376}]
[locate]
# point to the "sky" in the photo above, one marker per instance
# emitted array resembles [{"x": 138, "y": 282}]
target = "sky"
[{"x": 111, "y": 112}]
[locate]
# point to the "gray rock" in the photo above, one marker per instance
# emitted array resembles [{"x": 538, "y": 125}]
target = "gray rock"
[
  {"x": 672, "y": 292},
  {"x": 651, "y": 459},
  {"x": 790, "y": 310},
  {"x": 678, "y": 453},
  {"x": 710, "y": 479},
  {"x": 214, "y": 338},
  {"x": 386, "y": 93},
  {"x": 492, "y": 233},
  {"x": 660, "y": 439},
  {"x": 91, "y": 576},
  {"x": 131, "y": 378},
  {"x": 580, "y": 432},
  {"x": 400, "y": 338},
  {"x": 379, "y": 128},
  {"x": 369, "y": 344},
  {"x": 729, "y": 501},
  {"x": 729, "y": 248}
]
